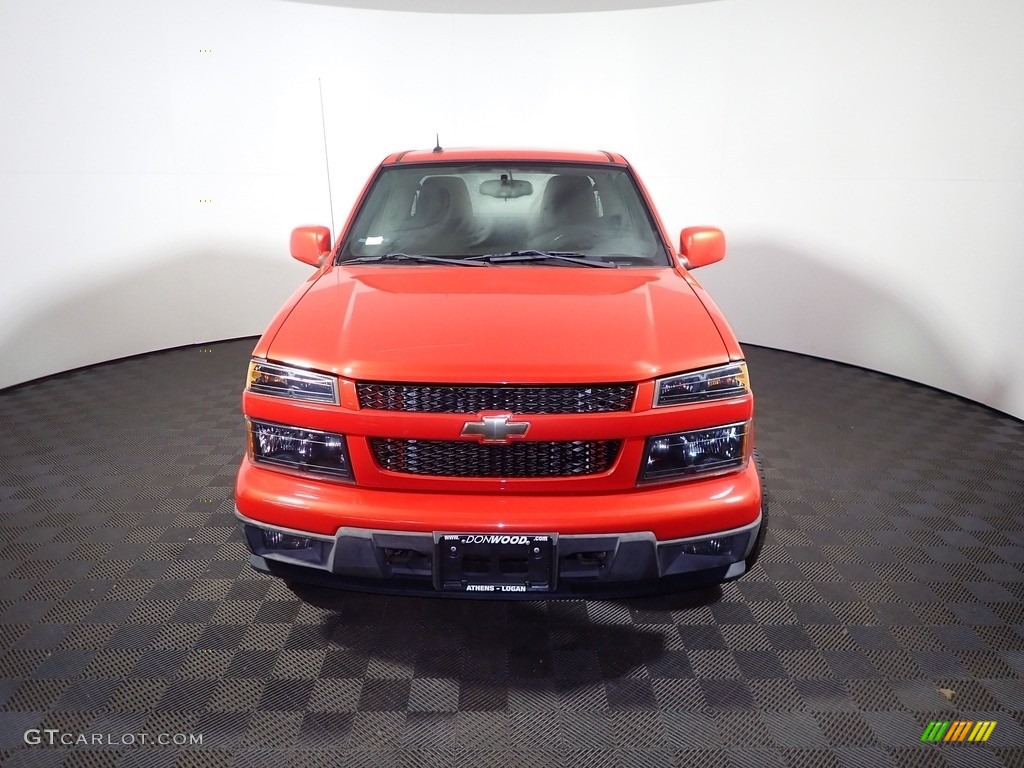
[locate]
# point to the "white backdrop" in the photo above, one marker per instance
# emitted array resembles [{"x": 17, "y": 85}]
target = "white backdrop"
[{"x": 866, "y": 158}]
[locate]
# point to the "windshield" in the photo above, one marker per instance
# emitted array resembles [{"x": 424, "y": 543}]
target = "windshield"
[{"x": 479, "y": 209}]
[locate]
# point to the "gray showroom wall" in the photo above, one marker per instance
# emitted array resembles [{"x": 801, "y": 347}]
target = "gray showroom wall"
[{"x": 864, "y": 157}]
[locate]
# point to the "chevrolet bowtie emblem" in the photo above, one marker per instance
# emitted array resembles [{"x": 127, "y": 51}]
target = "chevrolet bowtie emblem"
[{"x": 495, "y": 429}]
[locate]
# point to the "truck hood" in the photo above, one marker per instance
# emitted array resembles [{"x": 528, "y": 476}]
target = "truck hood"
[{"x": 523, "y": 324}]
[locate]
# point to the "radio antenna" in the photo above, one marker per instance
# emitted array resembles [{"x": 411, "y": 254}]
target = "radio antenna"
[
  {"x": 327, "y": 162},
  {"x": 437, "y": 143}
]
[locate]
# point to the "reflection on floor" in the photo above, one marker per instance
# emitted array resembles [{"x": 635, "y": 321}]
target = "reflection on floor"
[{"x": 890, "y": 595}]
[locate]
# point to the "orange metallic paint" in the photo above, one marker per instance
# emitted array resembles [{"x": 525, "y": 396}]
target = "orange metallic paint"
[
  {"x": 458, "y": 154},
  {"x": 520, "y": 324},
  {"x": 669, "y": 511},
  {"x": 311, "y": 244},
  {"x": 701, "y": 246}
]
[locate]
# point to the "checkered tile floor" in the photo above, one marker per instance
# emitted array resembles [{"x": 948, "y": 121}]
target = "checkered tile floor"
[{"x": 890, "y": 595}]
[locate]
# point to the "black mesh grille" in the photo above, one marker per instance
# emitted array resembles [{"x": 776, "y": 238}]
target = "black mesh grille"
[
  {"x": 460, "y": 458},
  {"x": 442, "y": 398}
]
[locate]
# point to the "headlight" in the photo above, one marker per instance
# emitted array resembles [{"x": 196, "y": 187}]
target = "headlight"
[
  {"x": 304, "y": 450},
  {"x": 709, "y": 384},
  {"x": 294, "y": 383},
  {"x": 696, "y": 453}
]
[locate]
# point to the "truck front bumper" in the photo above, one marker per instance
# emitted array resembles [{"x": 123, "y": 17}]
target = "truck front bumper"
[
  {"x": 407, "y": 562},
  {"x": 647, "y": 539}
]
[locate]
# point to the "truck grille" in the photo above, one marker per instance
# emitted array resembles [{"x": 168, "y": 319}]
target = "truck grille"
[
  {"x": 460, "y": 458},
  {"x": 443, "y": 398}
]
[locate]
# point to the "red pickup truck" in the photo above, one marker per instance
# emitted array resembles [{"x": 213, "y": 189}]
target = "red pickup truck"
[{"x": 501, "y": 381}]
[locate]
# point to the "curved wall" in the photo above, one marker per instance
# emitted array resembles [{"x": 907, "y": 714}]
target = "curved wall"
[{"x": 864, "y": 158}]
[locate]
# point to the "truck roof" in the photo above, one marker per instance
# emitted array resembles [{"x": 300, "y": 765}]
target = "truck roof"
[{"x": 458, "y": 154}]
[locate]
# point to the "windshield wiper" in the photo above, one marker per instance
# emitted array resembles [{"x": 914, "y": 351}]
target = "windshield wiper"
[
  {"x": 533, "y": 255},
  {"x": 413, "y": 257}
]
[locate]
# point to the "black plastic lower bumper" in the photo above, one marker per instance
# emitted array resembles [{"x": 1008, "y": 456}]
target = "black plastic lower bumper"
[{"x": 473, "y": 565}]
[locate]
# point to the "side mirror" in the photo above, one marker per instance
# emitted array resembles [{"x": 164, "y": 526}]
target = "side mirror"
[
  {"x": 701, "y": 246},
  {"x": 311, "y": 244}
]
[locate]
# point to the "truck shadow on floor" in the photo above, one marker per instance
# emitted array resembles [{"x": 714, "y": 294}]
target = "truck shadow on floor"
[{"x": 560, "y": 643}]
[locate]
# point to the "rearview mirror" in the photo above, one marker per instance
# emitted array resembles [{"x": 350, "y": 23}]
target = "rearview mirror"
[
  {"x": 311, "y": 245},
  {"x": 506, "y": 188},
  {"x": 701, "y": 246}
]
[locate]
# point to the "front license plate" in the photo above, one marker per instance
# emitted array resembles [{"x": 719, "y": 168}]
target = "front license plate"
[{"x": 497, "y": 563}]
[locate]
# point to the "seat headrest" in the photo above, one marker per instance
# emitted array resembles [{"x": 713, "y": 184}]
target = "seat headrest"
[
  {"x": 442, "y": 198},
  {"x": 568, "y": 199}
]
